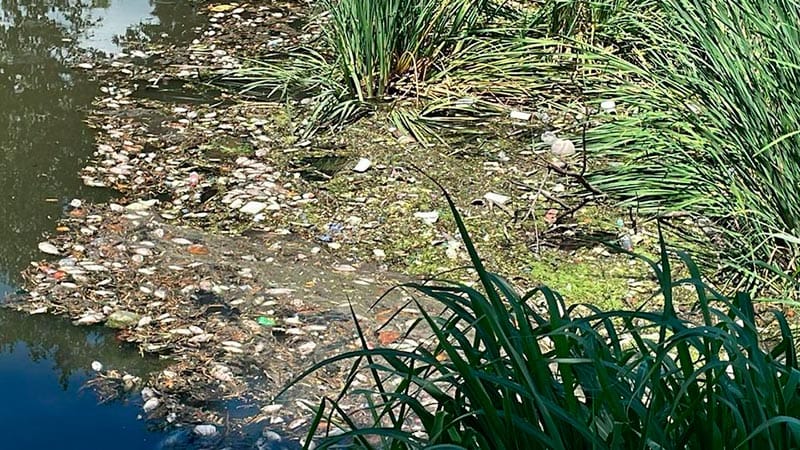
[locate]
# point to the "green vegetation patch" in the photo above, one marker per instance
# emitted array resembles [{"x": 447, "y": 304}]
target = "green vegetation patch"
[{"x": 601, "y": 281}]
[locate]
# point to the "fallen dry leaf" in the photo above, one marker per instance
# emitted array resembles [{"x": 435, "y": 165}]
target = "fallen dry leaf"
[
  {"x": 550, "y": 216},
  {"x": 386, "y": 337},
  {"x": 77, "y": 212},
  {"x": 197, "y": 249}
]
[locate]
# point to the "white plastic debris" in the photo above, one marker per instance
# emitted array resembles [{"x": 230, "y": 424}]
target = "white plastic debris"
[
  {"x": 97, "y": 366},
  {"x": 519, "y": 115},
  {"x": 363, "y": 165}
]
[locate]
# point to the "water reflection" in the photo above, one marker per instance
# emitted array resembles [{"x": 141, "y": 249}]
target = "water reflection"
[
  {"x": 42, "y": 139},
  {"x": 70, "y": 349},
  {"x": 43, "y": 142},
  {"x": 44, "y": 361}
]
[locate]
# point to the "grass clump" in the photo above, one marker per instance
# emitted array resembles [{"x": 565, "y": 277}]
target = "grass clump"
[
  {"x": 706, "y": 122},
  {"x": 368, "y": 46},
  {"x": 502, "y": 374},
  {"x": 378, "y": 41},
  {"x": 443, "y": 66},
  {"x": 710, "y": 130}
]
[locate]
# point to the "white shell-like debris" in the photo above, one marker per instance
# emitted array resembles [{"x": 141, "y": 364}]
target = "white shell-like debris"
[
  {"x": 148, "y": 393},
  {"x": 201, "y": 338},
  {"x": 608, "y": 106},
  {"x": 548, "y": 137},
  {"x": 205, "y": 430},
  {"x": 563, "y": 148},
  {"x": 253, "y": 207},
  {"x": 271, "y": 409},
  {"x": 222, "y": 373},
  {"x": 142, "y": 205},
  {"x": 90, "y": 319},
  {"x": 307, "y": 348},
  {"x": 278, "y": 291},
  {"x": 97, "y": 366},
  {"x": 151, "y": 405},
  {"x": 497, "y": 199}
]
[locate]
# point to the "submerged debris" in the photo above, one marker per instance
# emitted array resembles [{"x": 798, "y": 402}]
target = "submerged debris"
[{"x": 240, "y": 313}]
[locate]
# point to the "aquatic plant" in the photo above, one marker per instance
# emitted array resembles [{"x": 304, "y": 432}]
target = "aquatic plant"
[
  {"x": 376, "y": 42},
  {"x": 708, "y": 131}
]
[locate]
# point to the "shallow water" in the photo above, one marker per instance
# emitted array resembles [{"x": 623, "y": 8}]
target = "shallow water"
[{"x": 44, "y": 361}]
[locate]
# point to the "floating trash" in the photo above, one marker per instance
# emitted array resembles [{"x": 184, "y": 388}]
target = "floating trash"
[
  {"x": 429, "y": 217},
  {"x": 363, "y": 165},
  {"x": 608, "y": 106}
]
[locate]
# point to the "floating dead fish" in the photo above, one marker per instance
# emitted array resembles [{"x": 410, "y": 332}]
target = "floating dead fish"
[
  {"x": 142, "y": 205},
  {"x": 50, "y": 249},
  {"x": 497, "y": 199},
  {"x": 429, "y": 217},
  {"x": 151, "y": 405},
  {"x": 278, "y": 291},
  {"x": 90, "y": 319}
]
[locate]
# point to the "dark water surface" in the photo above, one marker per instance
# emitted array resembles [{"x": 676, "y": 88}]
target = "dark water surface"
[{"x": 44, "y": 361}]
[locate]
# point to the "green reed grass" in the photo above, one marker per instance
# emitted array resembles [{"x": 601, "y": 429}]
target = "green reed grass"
[
  {"x": 710, "y": 130},
  {"x": 377, "y": 41},
  {"x": 436, "y": 52}
]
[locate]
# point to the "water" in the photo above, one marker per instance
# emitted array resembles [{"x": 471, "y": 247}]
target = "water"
[
  {"x": 44, "y": 361},
  {"x": 43, "y": 365}
]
